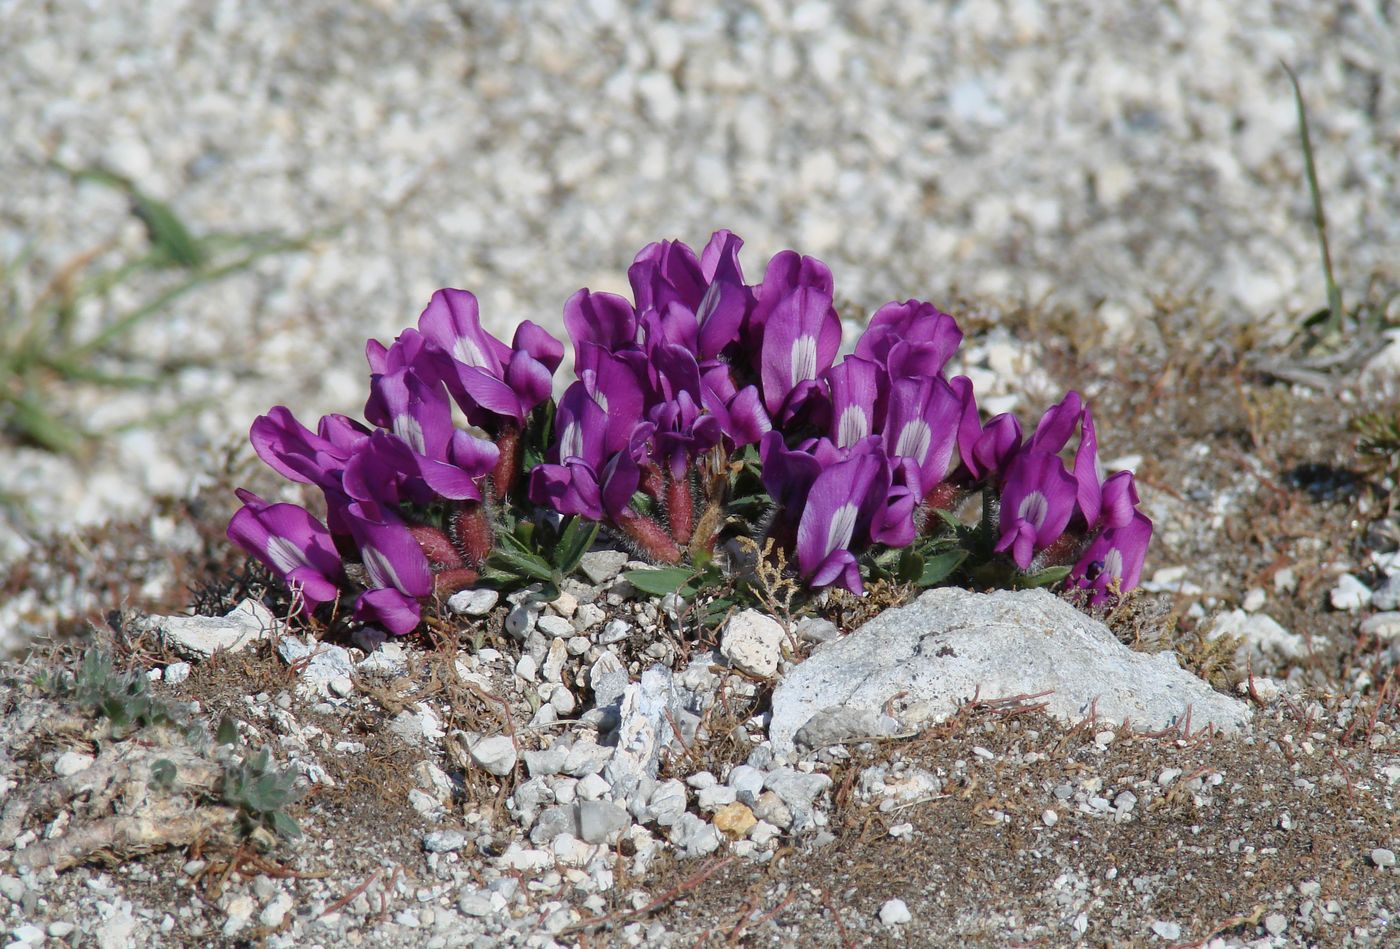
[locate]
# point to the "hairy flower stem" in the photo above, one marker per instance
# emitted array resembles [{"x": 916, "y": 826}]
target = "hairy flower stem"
[
  {"x": 652, "y": 483},
  {"x": 650, "y": 537},
  {"x": 437, "y": 546},
  {"x": 448, "y": 582},
  {"x": 680, "y": 509},
  {"x": 471, "y": 534},
  {"x": 507, "y": 468}
]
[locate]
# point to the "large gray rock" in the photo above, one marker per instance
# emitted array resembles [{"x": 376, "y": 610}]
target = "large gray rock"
[{"x": 950, "y": 645}]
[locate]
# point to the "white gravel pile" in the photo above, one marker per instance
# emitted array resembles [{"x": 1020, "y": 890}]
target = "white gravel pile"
[{"x": 1092, "y": 152}]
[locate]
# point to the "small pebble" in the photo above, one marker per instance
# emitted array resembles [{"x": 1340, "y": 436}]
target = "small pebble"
[
  {"x": 1383, "y": 857},
  {"x": 1167, "y": 930},
  {"x": 1349, "y": 594},
  {"x": 895, "y": 913},
  {"x": 1049, "y": 818},
  {"x": 1275, "y": 924}
]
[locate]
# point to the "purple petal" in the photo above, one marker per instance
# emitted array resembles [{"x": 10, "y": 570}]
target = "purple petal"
[
  {"x": 391, "y": 556},
  {"x": 832, "y": 517},
  {"x": 604, "y": 319},
  {"x": 1117, "y": 553},
  {"x": 452, "y": 321},
  {"x": 580, "y": 428},
  {"x": 1088, "y": 473},
  {"x": 800, "y": 339},
  {"x": 540, "y": 344},
  {"x": 396, "y": 612},
  {"x": 1057, "y": 424},
  {"x": 569, "y": 489},
  {"x": 1036, "y": 504},
  {"x": 787, "y": 475},
  {"x": 787, "y": 272},
  {"x": 1120, "y": 500},
  {"x": 493, "y": 393},
  {"x": 666, "y": 272},
  {"x": 720, "y": 258},
  {"x": 854, "y": 384}
]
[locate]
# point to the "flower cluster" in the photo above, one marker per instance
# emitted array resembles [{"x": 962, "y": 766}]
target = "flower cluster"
[{"x": 679, "y": 391}]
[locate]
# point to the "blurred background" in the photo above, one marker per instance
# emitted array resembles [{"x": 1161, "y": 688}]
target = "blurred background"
[{"x": 207, "y": 206}]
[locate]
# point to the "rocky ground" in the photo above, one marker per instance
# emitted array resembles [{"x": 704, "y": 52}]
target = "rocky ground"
[{"x": 609, "y": 768}]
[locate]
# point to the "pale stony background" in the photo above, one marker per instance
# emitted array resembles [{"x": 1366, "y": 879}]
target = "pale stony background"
[{"x": 1093, "y": 153}]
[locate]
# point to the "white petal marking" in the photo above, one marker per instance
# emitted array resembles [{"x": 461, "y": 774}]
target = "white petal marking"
[
  {"x": 854, "y": 426},
  {"x": 804, "y": 359},
  {"x": 1034, "y": 508},
  {"x": 468, "y": 352},
  {"x": 571, "y": 445},
  {"x": 285, "y": 554},
  {"x": 914, "y": 440},
  {"x": 407, "y": 428},
  {"x": 379, "y": 568},
  {"x": 1113, "y": 563},
  {"x": 843, "y": 524}
]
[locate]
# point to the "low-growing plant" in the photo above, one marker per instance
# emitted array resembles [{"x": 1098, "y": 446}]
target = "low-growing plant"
[
  {"x": 260, "y": 792},
  {"x": 251, "y": 783},
  {"x": 123, "y": 699},
  {"x": 704, "y": 410}
]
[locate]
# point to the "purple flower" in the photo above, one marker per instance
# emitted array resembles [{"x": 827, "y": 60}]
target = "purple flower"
[
  {"x": 1115, "y": 555},
  {"x": 294, "y": 452},
  {"x": 604, "y": 319},
  {"x": 450, "y": 461},
  {"x": 582, "y": 477},
  {"x": 854, "y": 385},
  {"x": 910, "y": 339},
  {"x": 922, "y": 425},
  {"x": 1036, "y": 505},
  {"x": 800, "y": 340},
  {"x": 837, "y": 513},
  {"x": 398, "y": 569},
  {"x": 293, "y": 544},
  {"x": 452, "y": 322}
]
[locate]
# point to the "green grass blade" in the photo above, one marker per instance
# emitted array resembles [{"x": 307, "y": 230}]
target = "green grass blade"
[
  {"x": 1334, "y": 292},
  {"x": 129, "y": 320}
]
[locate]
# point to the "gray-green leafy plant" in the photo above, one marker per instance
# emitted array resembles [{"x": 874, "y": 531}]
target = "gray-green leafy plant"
[{"x": 260, "y": 792}]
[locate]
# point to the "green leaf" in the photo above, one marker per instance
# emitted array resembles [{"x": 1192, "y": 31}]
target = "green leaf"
[
  {"x": 1043, "y": 578},
  {"x": 227, "y": 733},
  {"x": 578, "y": 536},
  {"x": 911, "y": 566},
  {"x": 167, "y": 232},
  {"x": 939, "y": 568},
  {"x": 521, "y": 564},
  {"x": 661, "y": 581},
  {"x": 1334, "y": 292},
  {"x": 285, "y": 826}
]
